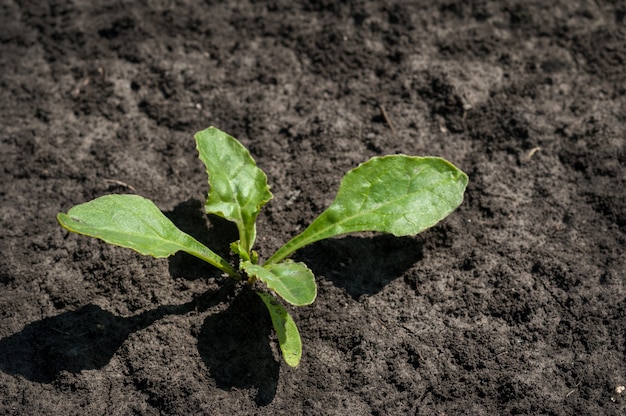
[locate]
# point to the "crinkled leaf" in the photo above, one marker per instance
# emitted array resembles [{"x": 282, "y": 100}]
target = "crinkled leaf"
[
  {"x": 292, "y": 281},
  {"x": 238, "y": 187},
  {"x": 286, "y": 330},
  {"x": 401, "y": 195},
  {"x": 134, "y": 222}
]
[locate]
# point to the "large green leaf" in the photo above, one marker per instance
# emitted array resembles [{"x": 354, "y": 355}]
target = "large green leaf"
[
  {"x": 238, "y": 187},
  {"x": 134, "y": 222},
  {"x": 286, "y": 330},
  {"x": 401, "y": 195},
  {"x": 292, "y": 281}
]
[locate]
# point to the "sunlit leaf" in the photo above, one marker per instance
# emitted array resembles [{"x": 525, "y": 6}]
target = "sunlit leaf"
[
  {"x": 286, "y": 330},
  {"x": 401, "y": 195},
  {"x": 134, "y": 222},
  {"x": 238, "y": 187},
  {"x": 292, "y": 281}
]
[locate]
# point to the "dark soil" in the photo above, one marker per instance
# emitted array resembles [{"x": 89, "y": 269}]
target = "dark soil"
[{"x": 515, "y": 304}]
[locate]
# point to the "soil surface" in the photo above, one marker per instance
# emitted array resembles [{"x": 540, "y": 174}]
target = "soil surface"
[{"x": 515, "y": 304}]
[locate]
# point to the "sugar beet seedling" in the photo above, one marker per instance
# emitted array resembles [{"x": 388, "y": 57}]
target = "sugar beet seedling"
[{"x": 397, "y": 194}]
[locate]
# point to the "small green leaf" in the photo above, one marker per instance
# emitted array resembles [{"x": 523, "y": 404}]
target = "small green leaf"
[
  {"x": 401, "y": 195},
  {"x": 238, "y": 187},
  {"x": 236, "y": 248},
  {"x": 292, "y": 281},
  {"x": 134, "y": 222},
  {"x": 286, "y": 330}
]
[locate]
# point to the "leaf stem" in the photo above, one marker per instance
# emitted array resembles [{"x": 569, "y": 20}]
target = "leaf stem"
[
  {"x": 197, "y": 249},
  {"x": 290, "y": 247}
]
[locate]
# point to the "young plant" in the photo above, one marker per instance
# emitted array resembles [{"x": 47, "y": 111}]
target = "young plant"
[{"x": 398, "y": 194}]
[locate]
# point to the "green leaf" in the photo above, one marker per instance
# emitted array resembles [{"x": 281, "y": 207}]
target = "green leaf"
[
  {"x": 286, "y": 330},
  {"x": 401, "y": 195},
  {"x": 238, "y": 187},
  {"x": 134, "y": 222},
  {"x": 292, "y": 281}
]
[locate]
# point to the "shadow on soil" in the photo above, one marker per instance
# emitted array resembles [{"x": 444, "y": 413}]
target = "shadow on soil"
[
  {"x": 84, "y": 339},
  {"x": 235, "y": 346},
  {"x": 362, "y": 265}
]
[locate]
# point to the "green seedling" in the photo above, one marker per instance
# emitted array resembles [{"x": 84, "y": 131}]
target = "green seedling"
[{"x": 397, "y": 194}]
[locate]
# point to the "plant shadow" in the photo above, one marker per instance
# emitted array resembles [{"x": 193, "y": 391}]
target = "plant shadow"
[
  {"x": 234, "y": 344},
  {"x": 362, "y": 265},
  {"x": 84, "y": 339},
  {"x": 236, "y": 347}
]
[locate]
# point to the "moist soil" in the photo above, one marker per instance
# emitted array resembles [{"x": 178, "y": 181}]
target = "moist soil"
[{"x": 514, "y": 304}]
